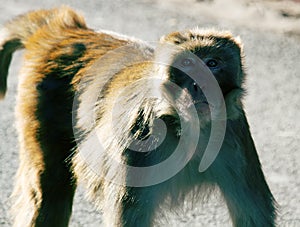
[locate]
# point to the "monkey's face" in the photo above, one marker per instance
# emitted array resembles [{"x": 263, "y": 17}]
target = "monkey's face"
[{"x": 219, "y": 53}]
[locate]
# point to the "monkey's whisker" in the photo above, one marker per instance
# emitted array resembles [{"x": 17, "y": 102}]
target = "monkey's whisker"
[{"x": 203, "y": 103}]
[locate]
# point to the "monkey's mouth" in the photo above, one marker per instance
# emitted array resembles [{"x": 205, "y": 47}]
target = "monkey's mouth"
[{"x": 202, "y": 106}]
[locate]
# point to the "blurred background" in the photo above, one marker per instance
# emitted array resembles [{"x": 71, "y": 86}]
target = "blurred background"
[{"x": 270, "y": 31}]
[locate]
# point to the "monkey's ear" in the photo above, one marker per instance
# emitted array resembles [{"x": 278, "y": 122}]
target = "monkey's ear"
[
  {"x": 233, "y": 101},
  {"x": 174, "y": 38},
  {"x": 239, "y": 42}
]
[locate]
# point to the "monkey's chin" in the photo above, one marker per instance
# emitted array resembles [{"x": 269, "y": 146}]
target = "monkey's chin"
[{"x": 203, "y": 110}]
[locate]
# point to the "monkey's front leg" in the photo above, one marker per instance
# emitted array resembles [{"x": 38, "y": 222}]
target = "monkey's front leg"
[
  {"x": 239, "y": 175},
  {"x": 130, "y": 206},
  {"x": 138, "y": 206}
]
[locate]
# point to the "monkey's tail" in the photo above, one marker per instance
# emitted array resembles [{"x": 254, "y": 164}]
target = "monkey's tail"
[{"x": 15, "y": 34}]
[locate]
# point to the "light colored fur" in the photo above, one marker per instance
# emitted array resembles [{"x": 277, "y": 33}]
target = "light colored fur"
[{"x": 69, "y": 67}]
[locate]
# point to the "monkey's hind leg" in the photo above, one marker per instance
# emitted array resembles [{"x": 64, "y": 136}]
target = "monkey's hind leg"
[
  {"x": 39, "y": 198},
  {"x": 45, "y": 186}
]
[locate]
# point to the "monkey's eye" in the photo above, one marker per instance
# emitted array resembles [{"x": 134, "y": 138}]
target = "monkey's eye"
[
  {"x": 187, "y": 62},
  {"x": 212, "y": 63}
]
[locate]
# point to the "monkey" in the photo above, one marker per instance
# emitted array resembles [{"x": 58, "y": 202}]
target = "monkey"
[{"x": 131, "y": 121}]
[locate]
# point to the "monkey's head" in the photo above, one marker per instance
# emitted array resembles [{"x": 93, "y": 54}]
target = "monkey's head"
[{"x": 198, "y": 55}]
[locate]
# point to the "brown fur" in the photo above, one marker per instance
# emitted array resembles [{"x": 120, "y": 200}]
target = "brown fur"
[
  {"x": 65, "y": 66},
  {"x": 51, "y": 53}
]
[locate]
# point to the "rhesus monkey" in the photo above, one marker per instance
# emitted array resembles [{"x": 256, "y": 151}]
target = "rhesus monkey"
[{"x": 71, "y": 73}]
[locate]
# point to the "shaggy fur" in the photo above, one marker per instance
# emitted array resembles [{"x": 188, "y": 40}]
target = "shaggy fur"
[{"x": 72, "y": 74}]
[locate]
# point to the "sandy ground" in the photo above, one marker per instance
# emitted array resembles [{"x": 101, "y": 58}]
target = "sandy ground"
[{"x": 271, "y": 34}]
